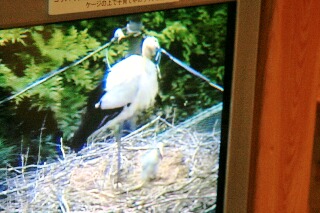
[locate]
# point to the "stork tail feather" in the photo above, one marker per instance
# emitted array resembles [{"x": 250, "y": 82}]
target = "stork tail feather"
[{"x": 92, "y": 120}]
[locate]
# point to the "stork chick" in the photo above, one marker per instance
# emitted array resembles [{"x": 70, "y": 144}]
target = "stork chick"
[{"x": 150, "y": 162}]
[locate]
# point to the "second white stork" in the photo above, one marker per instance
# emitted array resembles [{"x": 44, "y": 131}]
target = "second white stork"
[{"x": 129, "y": 87}]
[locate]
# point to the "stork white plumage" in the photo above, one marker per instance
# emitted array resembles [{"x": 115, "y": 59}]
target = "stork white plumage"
[
  {"x": 131, "y": 84},
  {"x": 128, "y": 87}
]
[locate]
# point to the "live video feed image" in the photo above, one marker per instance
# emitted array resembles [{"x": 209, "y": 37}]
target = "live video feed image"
[{"x": 114, "y": 114}]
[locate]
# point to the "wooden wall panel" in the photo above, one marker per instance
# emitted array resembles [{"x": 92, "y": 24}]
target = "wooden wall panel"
[
  {"x": 314, "y": 198},
  {"x": 289, "y": 51}
]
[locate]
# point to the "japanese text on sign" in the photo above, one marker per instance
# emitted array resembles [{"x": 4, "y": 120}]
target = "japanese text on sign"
[{"x": 57, "y": 7}]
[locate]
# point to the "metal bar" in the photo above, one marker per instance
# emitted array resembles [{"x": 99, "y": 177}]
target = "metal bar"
[{"x": 192, "y": 71}]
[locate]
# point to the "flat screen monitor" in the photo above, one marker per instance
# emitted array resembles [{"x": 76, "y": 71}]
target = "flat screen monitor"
[{"x": 126, "y": 108}]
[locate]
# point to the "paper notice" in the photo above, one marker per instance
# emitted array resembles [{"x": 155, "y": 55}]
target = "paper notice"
[{"x": 57, "y": 7}]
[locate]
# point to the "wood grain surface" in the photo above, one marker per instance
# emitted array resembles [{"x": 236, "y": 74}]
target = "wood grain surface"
[
  {"x": 314, "y": 196},
  {"x": 289, "y": 57}
]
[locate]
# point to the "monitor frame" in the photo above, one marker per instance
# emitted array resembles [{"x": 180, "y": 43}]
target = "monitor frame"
[{"x": 237, "y": 189}]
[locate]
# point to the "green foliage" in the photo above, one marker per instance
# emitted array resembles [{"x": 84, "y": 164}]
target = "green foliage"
[
  {"x": 194, "y": 35},
  {"x": 7, "y": 154},
  {"x": 42, "y": 54},
  {"x": 197, "y": 37},
  {"x": 13, "y": 36},
  {"x": 42, "y": 50}
]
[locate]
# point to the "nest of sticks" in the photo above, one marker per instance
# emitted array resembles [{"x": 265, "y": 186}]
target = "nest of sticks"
[{"x": 186, "y": 180}]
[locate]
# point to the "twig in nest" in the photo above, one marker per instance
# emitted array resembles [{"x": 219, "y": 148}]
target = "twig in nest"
[
  {"x": 210, "y": 209},
  {"x": 134, "y": 188},
  {"x": 176, "y": 189},
  {"x": 62, "y": 149},
  {"x": 95, "y": 191},
  {"x": 178, "y": 198},
  {"x": 40, "y": 139},
  {"x": 167, "y": 123},
  {"x": 142, "y": 128},
  {"x": 63, "y": 203},
  {"x": 194, "y": 155}
]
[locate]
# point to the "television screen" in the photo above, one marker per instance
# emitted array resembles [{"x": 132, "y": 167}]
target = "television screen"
[{"x": 122, "y": 113}]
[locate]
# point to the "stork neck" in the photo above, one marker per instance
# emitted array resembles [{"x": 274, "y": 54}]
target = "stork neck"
[{"x": 147, "y": 53}]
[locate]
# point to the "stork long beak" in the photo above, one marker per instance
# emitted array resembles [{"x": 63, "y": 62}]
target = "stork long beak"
[
  {"x": 157, "y": 59},
  {"x": 119, "y": 34}
]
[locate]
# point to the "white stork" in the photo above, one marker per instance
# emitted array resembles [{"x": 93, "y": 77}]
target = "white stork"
[
  {"x": 131, "y": 84},
  {"x": 129, "y": 87}
]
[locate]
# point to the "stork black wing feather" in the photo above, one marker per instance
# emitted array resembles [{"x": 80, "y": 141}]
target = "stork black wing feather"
[{"x": 92, "y": 119}]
